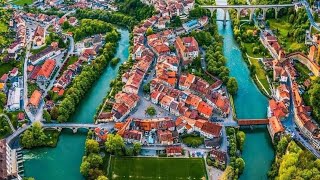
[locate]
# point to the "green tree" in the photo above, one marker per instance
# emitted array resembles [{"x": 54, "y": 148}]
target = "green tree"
[
  {"x": 102, "y": 178},
  {"x": 232, "y": 86},
  {"x": 94, "y": 159},
  {"x": 46, "y": 116},
  {"x": 240, "y": 164},
  {"x": 114, "y": 143},
  {"x": 228, "y": 174},
  {"x": 146, "y": 88},
  {"x": 282, "y": 145},
  {"x": 54, "y": 113},
  {"x": 3, "y": 99},
  {"x": 92, "y": 146},
  {"x": 151, "y": 111},
  {"x": 149, "y": 31},
  {"x": 84, "y": 168},
  {"x": 136, "y": 148},
  {"x": 241, "y": 136}
]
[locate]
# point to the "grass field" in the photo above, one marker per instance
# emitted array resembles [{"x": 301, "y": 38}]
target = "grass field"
[
  {"x": 283, "y": 26},
  {"x": 3, "y": 27},
  {"x": 22, "y": 2},
  {"x": 157, "y": 168},
  {"x": 261, "y": 73}
]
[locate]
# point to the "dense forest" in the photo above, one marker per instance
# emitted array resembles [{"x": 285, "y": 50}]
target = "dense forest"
[{"x": 136, "y": 9}]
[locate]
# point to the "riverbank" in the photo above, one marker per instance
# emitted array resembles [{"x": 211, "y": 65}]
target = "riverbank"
[
  {"x": 250, "y": 103},
  {"x": 63, "y": 162}
]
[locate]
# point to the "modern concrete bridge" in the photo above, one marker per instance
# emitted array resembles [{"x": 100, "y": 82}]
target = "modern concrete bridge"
[{"x": 252, "y": 9}]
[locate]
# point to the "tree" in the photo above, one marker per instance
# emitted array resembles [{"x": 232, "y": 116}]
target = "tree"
[
  {"x": 241, "y": 136},
  {"x": 136, "y": 148},
  {"x": 94, "y": 159},
  {"x": 102, "y": 178},
  {"x": 240, "y": 164},
  {"x": 54, "y": 113},
  {"x": 114, "y": 143},
  {"x": 228, "y": 174},
  {"x": 232, "y": 86},
  {"x": 149, "y": 31},
  {"x": 46, "y": 116},
  {"x": 151, "y": 111},
  {"x": 282, "y": 145},
  {"x": 92, "y": 146},
  {"x": 84, "y": 168},
  {"x": 2, "y": 99},
  {"x": 146, "y": 88}
]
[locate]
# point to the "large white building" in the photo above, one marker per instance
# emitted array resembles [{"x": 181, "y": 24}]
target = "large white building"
[{"x": 14, "y": 96}]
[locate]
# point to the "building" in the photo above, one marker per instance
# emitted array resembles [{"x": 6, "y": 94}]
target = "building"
[
  {"x": 8, "y": 162},
  {"x": 14, "y": 98},
  {"x": 34, "y": 100},
  {"x": 187, "y": 49},
  {"x": 218, "y": 156},
  {"x": 46, "y": 70},
  {"x": 275, "y": 128},
  {"x": 174, "y": 150}
]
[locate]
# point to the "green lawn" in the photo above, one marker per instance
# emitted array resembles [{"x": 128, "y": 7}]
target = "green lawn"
[
  {"x": 22, "y": 2},
  {"x": 71, "y": 60},
  {"x": 283, "y": 26},
  {"x": 261, "y": 74},
  {"x": 157, "y": 168},
  {"x": 36, "y": 51}
]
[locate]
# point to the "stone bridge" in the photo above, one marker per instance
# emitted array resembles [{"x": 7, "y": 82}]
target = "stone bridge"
[
  {"x": 75, "y": 126},
  {"x": 59, "y": 126},
  {"x": 251, "y": 8}
]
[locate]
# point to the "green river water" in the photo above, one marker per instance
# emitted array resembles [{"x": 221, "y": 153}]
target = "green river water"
[
  {"x": 250, "y": 103},
  {"x": 63, "y": 162}
]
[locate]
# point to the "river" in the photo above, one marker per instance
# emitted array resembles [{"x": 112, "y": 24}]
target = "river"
[
  {"x": 250, "y": 103},
  {"x": 63, "y": 162}
]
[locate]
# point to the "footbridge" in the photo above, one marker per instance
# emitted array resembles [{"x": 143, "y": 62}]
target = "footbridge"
[
  {"x": 251, "y": 8},
  {"x": 249, "y": 122}
]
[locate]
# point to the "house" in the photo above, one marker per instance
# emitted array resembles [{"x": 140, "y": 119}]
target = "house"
[
  {"x": 3, "y": 87},
  {"x": 174, "y": 150},
  {"x": 4, "y": 78},
  {"x": 277, "y": 109},
  {"x": 14, "y": 47},
  {"x": 101, "y": 134},
  {"x": 44, "y": 54},
  {"x": 186, "y": 81},
  {"x": 165, "y": 102},
  {"x": 211, "y": 130},
  {"x": 187, "y": 49},
  {"x": 39, "y": 36},
  {"x": 275, "y": 128},
  {"x": 218, "y": 156},
  {"x": 205, "y": 109},
  {"x": 165, "y": 137},
  {"x": 73, "y": 21},
  {"x": 131, "y": 136},
  {"x": 105, "y": 117},
  {"x": 14, "y": 72},
  {"x": 46, "y": 70},
  {"x": 34, "y": 100}
]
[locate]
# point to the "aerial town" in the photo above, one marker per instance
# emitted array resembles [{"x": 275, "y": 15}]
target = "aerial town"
[{"x": 166, "y": 89}]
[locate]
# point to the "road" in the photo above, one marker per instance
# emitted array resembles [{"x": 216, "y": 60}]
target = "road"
[{"x": 310, "y": 16}]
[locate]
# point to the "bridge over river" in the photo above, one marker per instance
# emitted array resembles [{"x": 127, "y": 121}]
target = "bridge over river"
[{"x": 251, "y": 8}]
